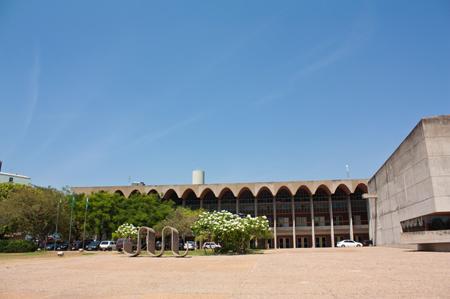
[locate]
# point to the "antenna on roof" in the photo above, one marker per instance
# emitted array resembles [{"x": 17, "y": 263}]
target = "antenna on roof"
[{"x": 347, "y": 169}]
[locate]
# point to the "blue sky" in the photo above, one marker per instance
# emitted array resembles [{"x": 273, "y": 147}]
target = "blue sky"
[{"x": 106, "y": 92}]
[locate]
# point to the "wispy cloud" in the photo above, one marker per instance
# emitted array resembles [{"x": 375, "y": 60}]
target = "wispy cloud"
[{"x": 31, "y": 103}]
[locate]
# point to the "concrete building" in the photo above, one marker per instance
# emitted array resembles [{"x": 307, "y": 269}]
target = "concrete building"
[
  {"x": 408, "y": 198},
  {"x": 412, "y": 188},
  {"x": 300, "y": 213}
]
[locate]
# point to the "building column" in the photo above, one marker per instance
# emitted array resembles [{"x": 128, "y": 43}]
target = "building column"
[
  {"x": 294, "y": 238},
  {"x": 237, "y": 206},
  {"x": 183, "y": 202},
  {"x": 330, "y": 205},
  {"x": 274, "y": 206},
  {"x": 256, "y": 215},
  {"x": 218, "y": 204},
  {"x": 313, "y": 230},
  {"x": 201, "y": 203},
  {"x": 350, "y": 216}
]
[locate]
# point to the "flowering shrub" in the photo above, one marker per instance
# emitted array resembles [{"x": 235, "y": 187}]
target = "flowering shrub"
[
  {"x": 126, "y": 230},
  {"x": 231, "y": 231}
]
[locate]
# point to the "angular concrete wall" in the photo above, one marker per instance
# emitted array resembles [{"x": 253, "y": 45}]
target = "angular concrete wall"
[
  {"x": 414, "y": 181},
  {"x": 437, "y": 136}
]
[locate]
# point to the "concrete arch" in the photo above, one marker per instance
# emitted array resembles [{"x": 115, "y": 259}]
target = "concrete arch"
[
  {"x": 152, "y": 191},
  {"x": 303, "y": 189},
  {"x": 134, "y": 192},
  {"x": 119, "y": 192},
  {"x": 322, "y": 188},
  {"x": 170, "y": 194},
  {"x": 243, "y": 190},
  {"x": 205, "y": 192},
  {"x": 283, "y": 189},
  {"x": 187, "y": 193},
  {"x": 342, "y": 188},
  {"x": 361, "y": 187},
  {"x": 225, "y": 191},
  {"x": 262, "y": 190}
]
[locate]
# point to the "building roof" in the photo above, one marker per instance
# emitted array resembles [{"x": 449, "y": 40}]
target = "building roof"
[{"x": 15, "y": 175}]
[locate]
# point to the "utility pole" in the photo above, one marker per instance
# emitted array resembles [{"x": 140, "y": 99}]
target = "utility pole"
[
  {"x": 72, "y": 204},
  {"x": 85, "y": 215}
]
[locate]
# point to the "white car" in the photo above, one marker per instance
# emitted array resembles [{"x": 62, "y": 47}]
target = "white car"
[
  {"x": 211, "y": 245},
  {"x": 190, "y": 245},
  {"x": 107, "y": 245},
  {"x": 349, "y": 243}
]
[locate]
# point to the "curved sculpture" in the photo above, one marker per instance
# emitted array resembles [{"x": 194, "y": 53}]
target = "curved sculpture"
[
  {"x": 150, "y": 241},
  {"x": 175, "y": 242}
]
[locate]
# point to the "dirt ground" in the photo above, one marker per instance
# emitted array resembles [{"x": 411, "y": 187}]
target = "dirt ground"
[{"x": 289, "y": 273}]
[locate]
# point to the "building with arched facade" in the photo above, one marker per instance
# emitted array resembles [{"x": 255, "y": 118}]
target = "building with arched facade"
[
  {"x": 300, "y": 213},
  {"x": 408, "y": 200}
]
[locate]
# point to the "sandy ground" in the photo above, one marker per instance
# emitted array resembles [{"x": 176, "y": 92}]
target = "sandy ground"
[{"x": 289, "y": 273}]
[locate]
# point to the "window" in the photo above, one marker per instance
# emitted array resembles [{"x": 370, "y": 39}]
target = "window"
[
  {"x": 319, "y": 220},
  {"x": 283, "y": 221},
  {"x": 11, "y": 179},
  {"x": 301, "y": 221},
  {"x": 339, "y": 220},
  {"x": 357, "y": 219}
]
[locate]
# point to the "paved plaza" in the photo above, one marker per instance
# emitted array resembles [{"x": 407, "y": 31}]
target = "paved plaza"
[{"x": 289, "y": 273}]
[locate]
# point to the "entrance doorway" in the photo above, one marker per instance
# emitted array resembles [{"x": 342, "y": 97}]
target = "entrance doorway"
[
  {"x": 320, "y": 241},
  {"x": 284, "y": 243},
  {"x": 302, "y": 242}
]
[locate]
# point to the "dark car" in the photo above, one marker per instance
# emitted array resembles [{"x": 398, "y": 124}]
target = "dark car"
[
  {"x": 94, "y": 245},
  {"x": 119, "y": 244},
  {"x": 50, "y": 246},
  {"x": 77, "y": 245},
  {"x": 62, "y": 246},
  {"x": 367, "y": 243}
]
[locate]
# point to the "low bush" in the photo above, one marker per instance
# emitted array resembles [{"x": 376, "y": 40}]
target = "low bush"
[{"x": 10, "y": 246}]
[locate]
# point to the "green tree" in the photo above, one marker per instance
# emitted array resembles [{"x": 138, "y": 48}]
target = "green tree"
[
  {"x": 182, "y": 219},
  {"x": 33, "y": 211}
]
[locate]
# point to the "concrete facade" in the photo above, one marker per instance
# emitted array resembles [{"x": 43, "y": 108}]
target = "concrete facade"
[
  {"x": 413, "y": 182},
  {"x": 300, "y": 213}
]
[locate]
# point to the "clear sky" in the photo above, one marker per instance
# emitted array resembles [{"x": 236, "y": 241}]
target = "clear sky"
[{"x": 101, "y": 93}]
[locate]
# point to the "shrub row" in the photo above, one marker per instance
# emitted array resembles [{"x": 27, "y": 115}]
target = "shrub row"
[{"x": 17, "y": 246}]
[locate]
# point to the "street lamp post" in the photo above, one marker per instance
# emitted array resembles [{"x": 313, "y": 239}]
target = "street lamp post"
[
  {"x": 85, "y": 215},
  {"x": 56, "y": 229},
  {"x": 72, "y": 203}
]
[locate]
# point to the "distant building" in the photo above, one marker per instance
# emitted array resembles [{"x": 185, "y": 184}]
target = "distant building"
[{"x": 14, "y": 178}]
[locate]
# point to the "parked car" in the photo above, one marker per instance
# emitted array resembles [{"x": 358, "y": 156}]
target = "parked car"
[
  {"x": 211, "y": 245},
  {"x": 62, "y": 246},
  {"x": 191, "y": 245},
  {"x": 107, "y": 245},
  {"x": 349, "y": 243},
  {"x": 367, "y": 243},
  {"x": 50, "y": 246},
  {"x": 119, "y": 244},
  {"x": 77, "y": 245},
  {"x": 94, "y": 245}
]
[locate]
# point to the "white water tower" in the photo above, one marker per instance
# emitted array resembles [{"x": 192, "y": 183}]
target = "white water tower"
[{"x": 198, "y": 177}]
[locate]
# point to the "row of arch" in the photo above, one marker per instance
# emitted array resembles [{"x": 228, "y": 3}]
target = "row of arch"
[{"x": 245, "y": 192}]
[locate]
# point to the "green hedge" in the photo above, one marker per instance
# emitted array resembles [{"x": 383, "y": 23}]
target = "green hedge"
[{"x": 17, "y": 246}]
